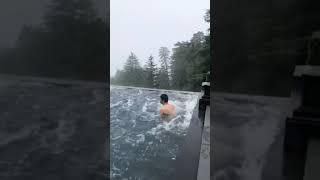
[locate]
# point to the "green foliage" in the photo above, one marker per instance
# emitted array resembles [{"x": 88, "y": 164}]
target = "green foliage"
[
  {"x": 190, "y": 62},
  {"x": 150, "y": 73},
  {"x": 184, "y": 69},
  {"x": 133, "y": 72},
  {"x": 163, "y": 76}
]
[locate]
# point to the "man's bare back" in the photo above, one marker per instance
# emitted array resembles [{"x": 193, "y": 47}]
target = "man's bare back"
[{"x": 167, "y": 110}]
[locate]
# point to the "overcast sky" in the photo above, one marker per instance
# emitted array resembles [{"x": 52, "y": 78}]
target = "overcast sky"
[
  {"x": 143, "y": 26},
  {"x": 16, "y": 13}
]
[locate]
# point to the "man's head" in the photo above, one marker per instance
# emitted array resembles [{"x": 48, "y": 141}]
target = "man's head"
[{"x": 164, "y": 99}]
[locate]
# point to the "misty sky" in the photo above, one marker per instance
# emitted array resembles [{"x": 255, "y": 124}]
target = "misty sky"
[
  {"x": 16, "y": 13},
  {"x": 143, "y": 26}
]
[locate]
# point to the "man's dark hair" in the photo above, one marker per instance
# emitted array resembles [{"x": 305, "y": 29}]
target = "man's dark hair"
[{"x": 164, "y": 97}]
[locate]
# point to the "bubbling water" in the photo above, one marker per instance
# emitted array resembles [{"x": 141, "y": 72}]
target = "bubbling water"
[{"x": 141, "y": 141}]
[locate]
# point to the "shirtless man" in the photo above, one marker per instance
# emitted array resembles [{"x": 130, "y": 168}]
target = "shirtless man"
[{"x": 167, "y": 110}]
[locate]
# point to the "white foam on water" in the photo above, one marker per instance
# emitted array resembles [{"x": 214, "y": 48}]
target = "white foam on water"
[
  {"x": 148, "y": 111},
  {"x": 141, "y": 138},
  {"x": 115, "y": 104},
  {"x": 255, "y": 150},
  {"x": 129, "y": 140},
  {"x": 190, "y": 105},
  {"x": 130, "y": 102},
  {"x": 176, "y": 125},
  {"x": 115, "y": 138},
  {"x": 139, "y": 91},
  {"x": 153, "y": 131},
  {"x": 134, "y": 123},
  {"x": 165, "y": 126},
  {"x": 144, "y": 107},
  {"x": 115, "y": 172},
  {"x": 118, "y": 134}
]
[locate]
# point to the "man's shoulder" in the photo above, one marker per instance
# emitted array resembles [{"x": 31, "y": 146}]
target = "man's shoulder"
[{"x": 171, "y": 105}]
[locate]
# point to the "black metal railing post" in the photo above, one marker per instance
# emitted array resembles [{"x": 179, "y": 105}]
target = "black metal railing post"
[{"x": 204, "y": 101}]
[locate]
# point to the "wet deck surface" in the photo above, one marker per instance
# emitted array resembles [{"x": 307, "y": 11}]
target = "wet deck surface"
[
  {"x": 204, "y": 161},
  {"x": 52, "y": 130},
  {"x": 188, "y": 160},
  {"x": 246, "y": 136}
]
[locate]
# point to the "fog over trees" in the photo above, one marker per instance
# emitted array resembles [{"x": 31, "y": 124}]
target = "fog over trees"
[
  {"x": 71, "y": 42},
  {"x": 182, "y": 68}
]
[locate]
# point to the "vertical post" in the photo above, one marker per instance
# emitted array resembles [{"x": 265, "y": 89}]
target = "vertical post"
[
  {"x": 305, "y": 122},
  {"x": 205, "y": 99}
]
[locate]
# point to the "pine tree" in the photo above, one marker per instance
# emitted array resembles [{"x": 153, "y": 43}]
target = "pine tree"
[
  {"x": 133, "y": 71},
  {"x": 187, "y": 66},
  {"x": 164, "y": 80},
  {"x": 150, "y": 70},
  {"x": 164, "y": 57},
  {"x": 180, "y": 62}
]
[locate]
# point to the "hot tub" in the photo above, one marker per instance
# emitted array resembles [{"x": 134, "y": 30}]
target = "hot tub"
[{"x": 143, "y": 146}]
